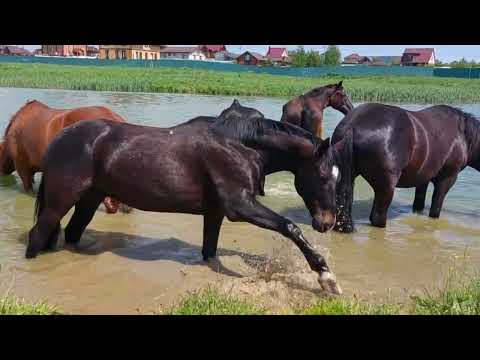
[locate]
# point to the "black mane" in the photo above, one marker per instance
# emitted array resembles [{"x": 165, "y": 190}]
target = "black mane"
[
  {"x": 469, "y": 126},
  {"x": 249, "y": 125}
]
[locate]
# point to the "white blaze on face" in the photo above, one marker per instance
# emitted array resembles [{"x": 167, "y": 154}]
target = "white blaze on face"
[{"x": 335, "y": 172}]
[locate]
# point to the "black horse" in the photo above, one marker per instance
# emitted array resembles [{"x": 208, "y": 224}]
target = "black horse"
[
  {"x": 204, "y": 167},
  {"x": 306, "y": 110},
  {"x": 391, "y": 147}
]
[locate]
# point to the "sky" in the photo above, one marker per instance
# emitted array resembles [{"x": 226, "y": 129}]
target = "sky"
[{"x": 445, "y": 53}]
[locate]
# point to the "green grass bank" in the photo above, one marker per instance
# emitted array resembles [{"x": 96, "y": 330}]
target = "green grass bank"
[{"x": 391, "y": 89}]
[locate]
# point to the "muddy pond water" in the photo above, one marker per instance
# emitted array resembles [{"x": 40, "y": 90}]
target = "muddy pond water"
[{"x": 137, "y": 262}]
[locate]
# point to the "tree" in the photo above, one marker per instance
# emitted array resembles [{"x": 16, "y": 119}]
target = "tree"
[
  {"x": 332, "y": 56},
  {"x": 299, "y": 57},
  {"x": 314, "y": 59}
]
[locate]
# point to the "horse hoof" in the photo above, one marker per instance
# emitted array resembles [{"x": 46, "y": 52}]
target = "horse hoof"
[
  {"x": 328, "y": 282},
  {"x": 30, "y": 254}
]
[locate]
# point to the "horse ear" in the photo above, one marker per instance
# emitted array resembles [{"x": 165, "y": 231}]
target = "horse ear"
[
  {"x": 340, "y": 84},
  {"x": 235, "y": 103}
]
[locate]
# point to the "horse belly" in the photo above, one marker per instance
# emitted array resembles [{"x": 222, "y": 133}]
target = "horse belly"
[{"x": 154, "y": 185}]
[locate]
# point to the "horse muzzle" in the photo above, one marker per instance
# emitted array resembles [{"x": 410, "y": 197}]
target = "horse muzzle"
[{"x": 323, "y": 221}]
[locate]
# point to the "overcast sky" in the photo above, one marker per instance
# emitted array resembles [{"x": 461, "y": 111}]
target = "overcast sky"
[{"x": 446, "y": 53}]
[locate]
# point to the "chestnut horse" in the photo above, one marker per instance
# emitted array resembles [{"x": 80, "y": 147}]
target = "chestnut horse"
[
  {"x": 30, "y": 131},
  {"x": 306, "y": 110}
]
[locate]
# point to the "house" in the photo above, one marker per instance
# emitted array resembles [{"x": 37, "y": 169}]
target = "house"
[
  {"x": 211, "y": 50},
  {"x": 64, "y": 50},
  {"x": 37, "y": 51},
  {"x": 182, "y": 52},
  {"x": 278, "y": 55},
  {"x": 225, "y": 56},
  {"x": 129, "y": 52},
  {"x": 386, "y": 60},
  {"x": 92, "y": 51},
  {"x": 418, "y": 57},
  {"x": 356, "y": 59},
  {"x": 251, "y": 58},
  {"x": 14, "y": 51}
]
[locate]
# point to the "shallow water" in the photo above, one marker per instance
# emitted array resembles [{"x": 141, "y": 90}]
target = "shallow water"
[{"x": 138, "y": 261}]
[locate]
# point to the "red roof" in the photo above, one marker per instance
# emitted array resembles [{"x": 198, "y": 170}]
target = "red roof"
[
  {"x": 214, "y": 48},
  {"x": 420, "y": 55},
  {"x": 276, "y": 53}
]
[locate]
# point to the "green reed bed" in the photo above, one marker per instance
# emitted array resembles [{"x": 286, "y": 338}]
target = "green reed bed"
[{"x": 394, "y": 89}]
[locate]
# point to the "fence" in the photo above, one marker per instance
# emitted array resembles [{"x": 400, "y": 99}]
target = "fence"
[
  {"x": 360, "y": 70},
  {"x": 466, "y": 73}
]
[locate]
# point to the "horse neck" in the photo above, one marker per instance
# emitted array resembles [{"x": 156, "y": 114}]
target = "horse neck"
[
  {"x": 474, "y": 152},
  {"x": 31, "y": 108},
  {"x": 276, "y": 161},
  {"x": 283, "y": 152}
]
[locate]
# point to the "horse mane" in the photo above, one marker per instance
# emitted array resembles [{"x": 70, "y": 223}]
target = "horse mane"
[
  {"x": 14, "y": 117},
  {"x": 319, "y": 90},
  {"x": 469, "y": 126},
  {"x": 249, "y": 126}
]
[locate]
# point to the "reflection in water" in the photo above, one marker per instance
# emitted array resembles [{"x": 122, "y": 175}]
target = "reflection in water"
[{"x": 138, "y": 260}]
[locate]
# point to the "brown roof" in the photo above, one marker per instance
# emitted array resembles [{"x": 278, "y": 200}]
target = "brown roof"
[
  {"x": 179, "y": 49},
  {"x": 255, "y": 55},
  {"x": 16, "y": 50}
]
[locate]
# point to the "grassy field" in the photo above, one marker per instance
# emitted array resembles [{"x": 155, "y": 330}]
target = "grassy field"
[{"x": 393, "y": 89}]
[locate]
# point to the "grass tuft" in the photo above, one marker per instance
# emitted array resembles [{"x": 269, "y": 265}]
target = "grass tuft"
[
  {"x": 15, "y": 306},
  {"x": 211, "y": 301}
]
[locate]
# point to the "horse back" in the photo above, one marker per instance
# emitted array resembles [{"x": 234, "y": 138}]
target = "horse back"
[{"x": 69, "y": 117}]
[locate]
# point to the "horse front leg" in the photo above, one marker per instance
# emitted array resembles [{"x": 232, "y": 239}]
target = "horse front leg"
[
  {"x": 26, "y": 176},
  {"x": 212, "y": 221},
  {"x": 419, "y": 201},
  {"x": 247, "y": 208},
  {"x": 384, "y": 190},
  {"x": 441, "y": 187}
]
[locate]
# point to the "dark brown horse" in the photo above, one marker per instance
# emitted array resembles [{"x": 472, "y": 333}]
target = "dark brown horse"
[
  {"x": 30, "y": 131},
  {"x": 202, "y": 168},
  {"x": 306, "y": 110},
  {"x": 391, "y": 147}
]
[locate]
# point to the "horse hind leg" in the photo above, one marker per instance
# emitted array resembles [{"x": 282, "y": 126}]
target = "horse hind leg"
[
  {"x": 84, "y": 211},
  {"x": 419, "y": 201},
  {"x": 40, "y": 234},
  {"x": 56, "y": 200}
]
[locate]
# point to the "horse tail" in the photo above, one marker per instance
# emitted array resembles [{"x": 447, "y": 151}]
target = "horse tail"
[
  {"x": 40, "y": 200},
  {"x": 344, "y": 195}
]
